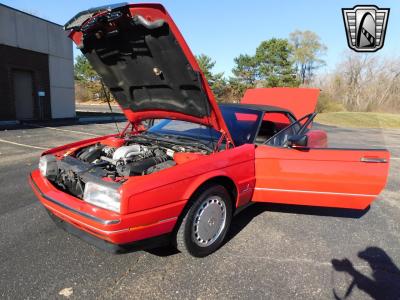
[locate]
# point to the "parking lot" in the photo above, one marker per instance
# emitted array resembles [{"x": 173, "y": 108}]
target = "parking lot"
[{"x": 272, "y": 251}]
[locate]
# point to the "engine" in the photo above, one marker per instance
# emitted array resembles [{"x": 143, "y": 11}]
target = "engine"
[
  {"x": 126, "y": 160},
  {"x": 114, "y": 160}
]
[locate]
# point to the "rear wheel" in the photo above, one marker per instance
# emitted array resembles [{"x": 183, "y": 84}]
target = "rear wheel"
[{"x": 205, "y": 222}]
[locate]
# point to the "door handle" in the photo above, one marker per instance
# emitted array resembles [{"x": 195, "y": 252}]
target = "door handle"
[{"x": 373, "y": 160}]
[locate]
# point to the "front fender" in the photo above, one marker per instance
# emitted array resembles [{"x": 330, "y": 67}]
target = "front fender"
[
  {"x": 179, "y": 182},
  {"x": 194, "y": 185}
]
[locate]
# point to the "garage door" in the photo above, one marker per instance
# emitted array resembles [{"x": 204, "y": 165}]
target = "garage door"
[{"x": 23, "y": 93}]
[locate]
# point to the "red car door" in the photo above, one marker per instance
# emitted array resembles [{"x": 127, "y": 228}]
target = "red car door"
[
  {"x": 345, "y": 178},
  {"x": 320, "y": 177}
]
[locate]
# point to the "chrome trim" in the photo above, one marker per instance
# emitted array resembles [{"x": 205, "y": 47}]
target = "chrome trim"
[
  {"x": 314, "y": 192},
  {"x": 86, "y": 215},
  {"x": 167, "y": 220},
  {"x": 373, "y": 160},
  {"x": 153, "y": 224},
  {"x": 95, "y": 229},
  {"x": 246, "y": 189}
]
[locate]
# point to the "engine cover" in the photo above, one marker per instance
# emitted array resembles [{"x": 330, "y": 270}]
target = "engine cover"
[{"x": 129, "y": 151}]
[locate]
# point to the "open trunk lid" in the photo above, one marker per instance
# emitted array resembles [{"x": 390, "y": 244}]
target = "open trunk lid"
[
  {"x": 300, "y": 101},
  {"x": 145, "y": 62}
]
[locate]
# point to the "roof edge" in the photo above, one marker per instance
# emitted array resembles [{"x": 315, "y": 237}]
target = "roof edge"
[{"x": 28, "y": 14}]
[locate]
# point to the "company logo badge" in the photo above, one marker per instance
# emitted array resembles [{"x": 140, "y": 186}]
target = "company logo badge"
[{"x": 365, "y": 27}]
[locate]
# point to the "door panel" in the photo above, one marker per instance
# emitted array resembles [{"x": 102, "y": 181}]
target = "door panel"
[{"x": 320, "y": 177}]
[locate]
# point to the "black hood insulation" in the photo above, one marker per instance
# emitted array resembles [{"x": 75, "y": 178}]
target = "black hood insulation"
[{"x": 143, "y": 65}]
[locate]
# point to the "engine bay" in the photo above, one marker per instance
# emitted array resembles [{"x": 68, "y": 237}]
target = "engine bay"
[{"x": 115, "y": 159}]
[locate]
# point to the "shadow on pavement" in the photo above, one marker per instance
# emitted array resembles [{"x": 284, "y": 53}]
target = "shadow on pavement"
[
  {"x": 240, "y": 221},
  {"x": 385, "y": 281},
  {"x": 163, "y": 251}
]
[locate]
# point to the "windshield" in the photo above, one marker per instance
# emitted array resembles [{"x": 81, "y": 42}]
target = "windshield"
[
  {"x": 242, "y": 123},
  {"x": 184, "y": 129}
]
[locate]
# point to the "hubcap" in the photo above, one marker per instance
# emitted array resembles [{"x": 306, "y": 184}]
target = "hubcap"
[{"x": 209, "y": 221}]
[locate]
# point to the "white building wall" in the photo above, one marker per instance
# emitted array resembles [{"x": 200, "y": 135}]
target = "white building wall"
[
  {"x": 31, "y": 33},
  {"x": 61, "y": 68},
  {"x": 8, "y": 27},
  {"x": 24, "y": 31}
]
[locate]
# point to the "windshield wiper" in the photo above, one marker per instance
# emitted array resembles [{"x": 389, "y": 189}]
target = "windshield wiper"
[
  {"x": 152, "y": 133},
  {"x": 194, "y": 142},
  {"x": 180, "y": 140}
]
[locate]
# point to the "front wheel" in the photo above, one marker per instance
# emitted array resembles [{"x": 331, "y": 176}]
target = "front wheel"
[{"x": 206, "y": 222}]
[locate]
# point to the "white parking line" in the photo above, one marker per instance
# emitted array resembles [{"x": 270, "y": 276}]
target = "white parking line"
[
  {"x": 65, "y": 130},
  {"x": 23, "y": 145}
]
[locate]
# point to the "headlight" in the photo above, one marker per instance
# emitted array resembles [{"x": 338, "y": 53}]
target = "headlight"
[
  {"x": 102, "y": 196},
  {"x": 48, "y": 166}
]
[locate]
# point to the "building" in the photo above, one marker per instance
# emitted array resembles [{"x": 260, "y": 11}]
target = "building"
[{"x": 36, "y": 68}]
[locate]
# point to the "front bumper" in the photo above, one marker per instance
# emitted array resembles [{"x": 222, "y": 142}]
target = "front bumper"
[
  {"x": 114, "y": 228},
  {"x": 158, "y": 241}
]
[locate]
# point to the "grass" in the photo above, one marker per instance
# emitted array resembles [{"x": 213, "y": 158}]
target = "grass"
[{"x": 359, "y": 119}]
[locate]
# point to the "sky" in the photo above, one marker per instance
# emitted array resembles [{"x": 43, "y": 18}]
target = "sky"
[{"x": 224, "y": 29}]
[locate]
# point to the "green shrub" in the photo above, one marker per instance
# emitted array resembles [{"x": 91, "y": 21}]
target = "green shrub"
[{"x": 327, "y": 104}]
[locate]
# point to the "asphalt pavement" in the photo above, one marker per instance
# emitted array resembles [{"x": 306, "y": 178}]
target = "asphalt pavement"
[{"x": 273, "y": 251}]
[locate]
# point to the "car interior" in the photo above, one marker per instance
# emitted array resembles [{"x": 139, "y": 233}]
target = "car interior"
[
  {"x": 267, "y": 130},
  {"x": 301, "y": 126},
  {"x": 272, "y": 123}
]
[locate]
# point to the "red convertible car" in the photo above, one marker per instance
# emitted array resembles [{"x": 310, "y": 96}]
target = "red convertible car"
[{"x": 196, "y": 163}]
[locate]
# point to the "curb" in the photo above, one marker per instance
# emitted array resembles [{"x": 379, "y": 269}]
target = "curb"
[
  {"x": 12, "y": 122},
  {"x": 100, "y": 119}
]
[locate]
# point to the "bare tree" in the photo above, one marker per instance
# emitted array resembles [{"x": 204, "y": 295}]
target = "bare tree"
[
  {"x": 307, "y": 52},
  {"x": 364, "y": 82}
]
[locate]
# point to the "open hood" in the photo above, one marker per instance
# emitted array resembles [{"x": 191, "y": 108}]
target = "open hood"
[
  {"x": 300, "y": 101},
  {"x": 145, "y": 62}
]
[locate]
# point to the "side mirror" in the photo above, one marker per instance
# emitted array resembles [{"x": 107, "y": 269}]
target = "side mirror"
[{"x": 297, "y": 141}]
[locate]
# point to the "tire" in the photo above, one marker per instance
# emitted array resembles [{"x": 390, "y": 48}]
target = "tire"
[{"x": 205, "y": 222}]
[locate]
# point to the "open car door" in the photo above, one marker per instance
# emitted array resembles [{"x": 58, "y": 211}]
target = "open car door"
[{"x": 327, "y": 177}]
